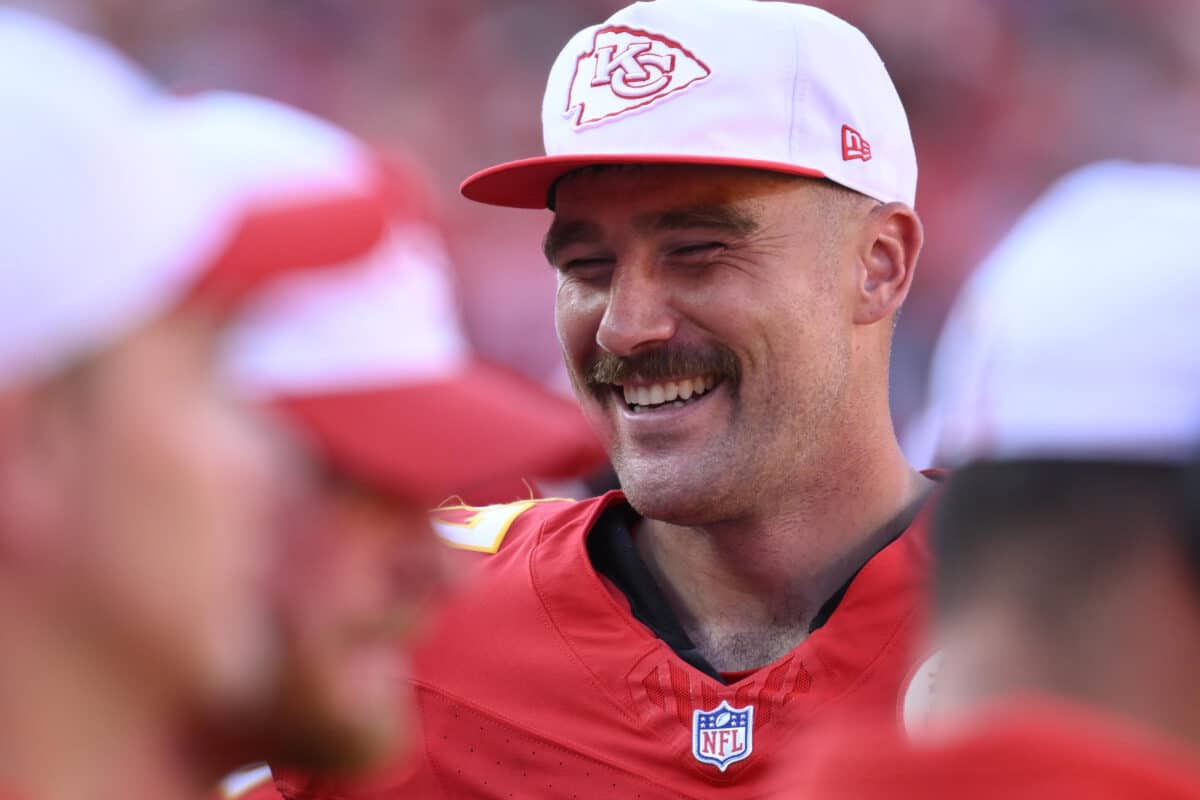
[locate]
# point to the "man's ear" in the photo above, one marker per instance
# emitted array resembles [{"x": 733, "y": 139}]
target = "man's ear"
[
  {"x": 891, "y": 241},
  {"x": 32, "y": 505}
]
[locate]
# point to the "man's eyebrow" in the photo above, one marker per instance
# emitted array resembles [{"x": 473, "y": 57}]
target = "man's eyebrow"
[
  {"x": 722, "y": 218},
  {"x": 563, "y": 234}
]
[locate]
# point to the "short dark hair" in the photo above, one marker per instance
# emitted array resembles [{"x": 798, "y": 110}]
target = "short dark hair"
[{"x": 1052, "y": 527}]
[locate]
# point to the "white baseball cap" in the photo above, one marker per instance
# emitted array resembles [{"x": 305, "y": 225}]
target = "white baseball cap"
[
  {"x": 115, "y": 212},
  {"x": 1079, "y": 337},
  {"x": 770, "y": 85},
  {"x": 370, "y": 359}
]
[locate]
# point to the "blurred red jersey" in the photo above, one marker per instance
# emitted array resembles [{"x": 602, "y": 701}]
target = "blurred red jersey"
[
  {"x": 1034, "y": 750},
  {"x": 541, "y": 680}
]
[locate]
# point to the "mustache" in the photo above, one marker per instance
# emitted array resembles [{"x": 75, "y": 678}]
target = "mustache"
[{"x": 662, "y": 364}]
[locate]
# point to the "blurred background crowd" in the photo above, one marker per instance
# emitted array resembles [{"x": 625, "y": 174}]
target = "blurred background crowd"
[{"x": 1002, "y": 95}]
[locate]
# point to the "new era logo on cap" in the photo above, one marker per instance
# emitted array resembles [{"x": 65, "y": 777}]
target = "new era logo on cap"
[
  {"x": 854, "y": 145},
  {"x": 628, "y": 69}
]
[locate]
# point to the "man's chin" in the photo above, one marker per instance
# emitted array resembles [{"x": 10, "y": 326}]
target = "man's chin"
[{"x": 678, "y": 502}]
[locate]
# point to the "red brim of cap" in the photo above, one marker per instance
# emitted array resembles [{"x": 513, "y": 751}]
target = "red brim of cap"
[
  {"x": 273, "y": 241},
  {"x": 429, "y": 440},
  {"x": 527, "y": 183}
]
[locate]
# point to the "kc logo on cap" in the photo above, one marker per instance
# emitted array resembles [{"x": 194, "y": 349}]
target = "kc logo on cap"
[
  {"x": 627, "y": 69},
  {"x": 784, "y": 87}
]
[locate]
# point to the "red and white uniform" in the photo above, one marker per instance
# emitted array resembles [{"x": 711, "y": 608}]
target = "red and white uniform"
[{"x": 540, "y": 682}]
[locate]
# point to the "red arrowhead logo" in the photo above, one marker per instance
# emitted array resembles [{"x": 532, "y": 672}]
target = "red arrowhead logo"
[{"x": 627, "y": 69}]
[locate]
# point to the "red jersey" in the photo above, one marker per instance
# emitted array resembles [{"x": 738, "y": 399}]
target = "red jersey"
[
  {"x": 540, "y": 682},
  {"x": 1034, "y": 750}
]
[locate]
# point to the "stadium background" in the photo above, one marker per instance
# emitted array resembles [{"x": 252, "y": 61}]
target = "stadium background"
[{"x": 1002, "y": 95}]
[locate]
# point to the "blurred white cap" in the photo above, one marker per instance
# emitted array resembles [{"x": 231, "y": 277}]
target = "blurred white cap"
[
  {"x": 772, "y": 85},
  {"x": 1079, "y": 336},
  {"x": 371, "y": 359},
  {"x": 115, "y": 211}
]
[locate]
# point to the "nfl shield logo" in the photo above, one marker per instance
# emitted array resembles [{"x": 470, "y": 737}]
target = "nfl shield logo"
[{"x": 724, "y": 735}]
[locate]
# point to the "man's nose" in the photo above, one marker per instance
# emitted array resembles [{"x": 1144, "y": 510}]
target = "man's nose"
[{"x": 639, "y": 312}]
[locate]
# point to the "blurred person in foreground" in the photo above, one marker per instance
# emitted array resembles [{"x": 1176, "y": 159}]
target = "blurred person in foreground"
[
  {"x": 369, "y": 367},
  {"x": 139, "y": 500},
  {"x": 731, "y": 254},
  {"x": 1067, "y": 551}
]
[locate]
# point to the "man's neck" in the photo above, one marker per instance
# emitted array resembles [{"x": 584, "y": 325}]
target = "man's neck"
[
  {"x": 74, "y": 728},
  {"x": 747, "y": 590}
]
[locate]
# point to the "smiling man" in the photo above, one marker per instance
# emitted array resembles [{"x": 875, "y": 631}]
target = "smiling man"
[{"x": 733, "y": 185}]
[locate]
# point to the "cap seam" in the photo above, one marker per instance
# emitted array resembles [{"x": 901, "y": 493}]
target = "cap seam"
[{"x": 796, "y": 91}]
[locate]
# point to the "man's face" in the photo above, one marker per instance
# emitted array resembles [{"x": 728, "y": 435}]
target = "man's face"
[
  {"x": 704, "y": 314},
  {"x": 359, "y": 580},
  {"x": 169, "y": 500}
]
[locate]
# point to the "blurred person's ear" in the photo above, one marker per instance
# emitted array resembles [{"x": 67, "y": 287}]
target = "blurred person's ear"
[
  {"x": 37, "y": 453},
  {"x": 887, "y": 249},
  {"x": 41, "y": 458}
]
